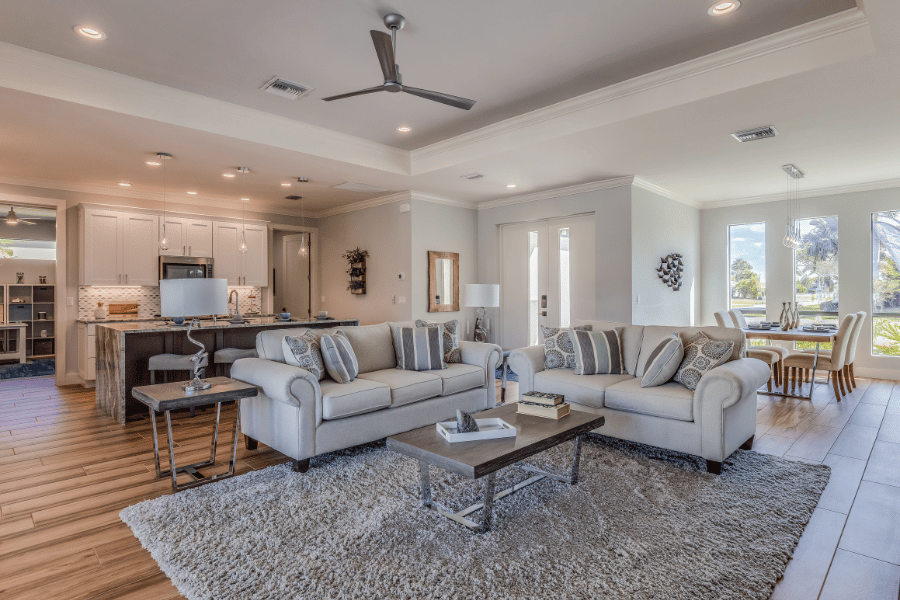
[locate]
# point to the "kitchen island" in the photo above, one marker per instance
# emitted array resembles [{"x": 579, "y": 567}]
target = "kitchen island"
[{"x": 124, "y": 349}]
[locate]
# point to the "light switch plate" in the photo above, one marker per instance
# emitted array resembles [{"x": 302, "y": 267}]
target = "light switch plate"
[
  {"x": 402, "y": 299},
  {"x": 70, "y": 301}
]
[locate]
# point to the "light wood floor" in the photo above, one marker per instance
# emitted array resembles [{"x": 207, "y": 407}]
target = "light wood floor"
[{"x": 66, "y": 471}]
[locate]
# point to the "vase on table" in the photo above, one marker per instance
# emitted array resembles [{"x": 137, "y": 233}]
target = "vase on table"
[
  {"x": 795, "y": 321},
  {"x": 785, "y": 320}
]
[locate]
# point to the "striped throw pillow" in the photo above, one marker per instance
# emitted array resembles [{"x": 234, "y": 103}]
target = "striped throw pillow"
[
  {"x": 452, "y": 353},
  {"x": 419, "y": 348},
  {"x": 663, "y": 362},
  {"x": 340, "y": 360},
  {"x": 598, "y": 352}
]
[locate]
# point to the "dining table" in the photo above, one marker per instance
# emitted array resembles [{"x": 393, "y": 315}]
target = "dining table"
[{"x": 792, "y": 335}]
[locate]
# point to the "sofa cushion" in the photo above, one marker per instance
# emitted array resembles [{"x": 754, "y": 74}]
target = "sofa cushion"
[
  {"x": 587, "y": 390},
  {"x": 419, "y": 348},
  {"x": 339, "y": 357},
  {"x": 373, "y": 346},
  {"x": 669, "y": 401},
  {"x": 559, "y": 351},
  {"x": 459, "y": 377},
  {"x": 597, "y": 352},
  {"x": 341, "y": 400},
  {"x": 654, "y": 334},
  {"x": 407, "y": 386},
  {"x": 631, "y": 337}
]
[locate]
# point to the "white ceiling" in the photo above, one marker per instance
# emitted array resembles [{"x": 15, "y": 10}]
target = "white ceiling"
[{"x": 830, "y": 90}]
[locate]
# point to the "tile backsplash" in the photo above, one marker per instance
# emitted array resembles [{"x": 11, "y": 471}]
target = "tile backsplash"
[{"x": 147, "y": 299}]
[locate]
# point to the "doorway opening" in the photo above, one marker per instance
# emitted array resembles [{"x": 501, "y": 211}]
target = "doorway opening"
[{"x": 291, "y": 278}]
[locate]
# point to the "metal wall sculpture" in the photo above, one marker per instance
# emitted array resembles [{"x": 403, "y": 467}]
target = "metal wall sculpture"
[{"x": 670, "y": 269}]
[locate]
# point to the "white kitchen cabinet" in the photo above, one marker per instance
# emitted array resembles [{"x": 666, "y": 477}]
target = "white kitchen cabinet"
[
  {"x": 119, "y": 248},
  {"x": 248, "y": 268},
  {"x": 87, "y": 352},
  {"x": 187, "y": 237}
]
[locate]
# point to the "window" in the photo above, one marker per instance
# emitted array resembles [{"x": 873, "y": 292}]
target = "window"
[
  {"x": 27, "y": 249},
  {"x": 886, "y": 283},
  {"x": 747, "y": 259},
  {"x": 816, "y": 273}
]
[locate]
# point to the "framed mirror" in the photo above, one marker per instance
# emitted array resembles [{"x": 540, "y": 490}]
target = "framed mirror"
[{"x": 443, "y": 281}]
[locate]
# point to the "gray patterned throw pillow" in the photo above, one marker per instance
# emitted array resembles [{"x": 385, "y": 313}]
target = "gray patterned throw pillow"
[
  {"x": 701, "y": 355},
  {"x": 303, "y": 351},
  {"x": 559, "y": 351},
  {"x": 452, "y": 353}
]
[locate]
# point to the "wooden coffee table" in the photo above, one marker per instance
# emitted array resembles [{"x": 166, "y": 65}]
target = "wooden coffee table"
[
  {"x": 482, "y": 459},
  {"x": 166, "y": 397}
]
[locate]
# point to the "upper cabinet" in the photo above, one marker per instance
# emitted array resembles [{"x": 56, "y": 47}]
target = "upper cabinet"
[
  {"x": 187, "y": 237},
  {"x": 119, "y": 248},
  {"x": 241, "y": 268}
]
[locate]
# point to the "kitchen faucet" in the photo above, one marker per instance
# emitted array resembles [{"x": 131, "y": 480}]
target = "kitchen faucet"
[{"x": 236, "y": 316}]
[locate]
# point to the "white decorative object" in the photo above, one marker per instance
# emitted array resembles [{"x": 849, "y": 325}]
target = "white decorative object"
[
  {"x": 481, "y": 296},
  {"x": 488, "y": 429}
]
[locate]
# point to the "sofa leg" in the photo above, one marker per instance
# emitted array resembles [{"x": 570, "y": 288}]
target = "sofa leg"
[
  {"x": 250, "y": 443},
  {"x": 714, "y": 467},
  {"x": 301, "y": 466},
  {"x": 748, "y": 445}
]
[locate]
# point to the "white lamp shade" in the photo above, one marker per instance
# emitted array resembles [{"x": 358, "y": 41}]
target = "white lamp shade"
[
  {"x": 193, "y": 297},
  {"x": 485, "y": 295}
]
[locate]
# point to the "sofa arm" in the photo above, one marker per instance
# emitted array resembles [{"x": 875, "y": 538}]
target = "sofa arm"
[
  {"x": 720, "y": 389},
  {"x": 285, "y": 383},
  {"x": 525, "y": 362},
  {"x": 486, "y": 356}
]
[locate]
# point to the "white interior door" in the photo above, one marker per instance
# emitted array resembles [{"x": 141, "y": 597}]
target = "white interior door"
[
  {"x": 294, "y": 277},
  {"x": 548, "y": 277}
]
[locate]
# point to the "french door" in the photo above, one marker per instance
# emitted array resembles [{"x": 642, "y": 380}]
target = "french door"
[{"x": 548, "y": 277}]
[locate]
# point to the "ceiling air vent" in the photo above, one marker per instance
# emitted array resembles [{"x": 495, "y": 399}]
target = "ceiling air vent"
[
  {"x": 285, "y": 89},
  {"x": 472, "y": 176},
  {"x": 293, "y": 197},
  {"x": 751, "y": 135}
]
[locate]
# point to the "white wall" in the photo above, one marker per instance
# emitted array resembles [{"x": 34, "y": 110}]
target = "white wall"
[
  {"x": 32, "y": 269},
  {"x": 386, "y": 233},
  {"x": 660, "y": 226},
  {"x": 612, "y": 211},
  {"x": 854, "y": 212},
  {"x": 442, "y": 228}
]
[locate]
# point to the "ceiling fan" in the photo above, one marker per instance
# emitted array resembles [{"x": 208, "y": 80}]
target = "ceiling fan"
[
  {"x": 386, "y": 48},
  {"x": 13, "y": 219}
]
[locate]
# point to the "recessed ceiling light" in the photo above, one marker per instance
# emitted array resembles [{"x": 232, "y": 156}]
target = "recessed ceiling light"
[
  {"x": 124, "y": 184},
  {"x": 724, "y": 7},
  {"x": 153, "y": 163},
  {"x": 228, "y": 175},
  {"x": 192, "y": 193},
  {"x": 510, "y": 185},
  {"x": 404, "y": 129},
  {"x": 90, "y": 32},
  {"x": 285, "y": 184},
  {"x": 245, "y": 199}
]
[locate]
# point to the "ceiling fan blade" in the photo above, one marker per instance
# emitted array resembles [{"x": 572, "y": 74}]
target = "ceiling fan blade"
[
  {"x": 384, "y": 48},
  {"x": 456, "y": 101},
  {"x": 371, "y": 90},
  {"x": 27, "y": 222}
]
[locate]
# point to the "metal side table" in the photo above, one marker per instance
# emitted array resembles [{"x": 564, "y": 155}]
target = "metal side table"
[{"x": 166, "y": 397}]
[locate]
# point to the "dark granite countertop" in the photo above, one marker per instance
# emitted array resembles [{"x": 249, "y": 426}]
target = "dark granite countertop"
[{"x": 160, "y": 326}]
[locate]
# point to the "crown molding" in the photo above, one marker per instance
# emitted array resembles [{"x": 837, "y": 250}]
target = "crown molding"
[
  {"x": 364, "y": 204},
  {"x": 34, "y": 72},
  {"x": 441, "y": 200},
  {"x": 811, "y": 193},
  {"x": 729, "y": 69},
  {"x": 179, "y": 199},
  {"x": 661, "y": 191},
  {"x": 581, "y": 188}
]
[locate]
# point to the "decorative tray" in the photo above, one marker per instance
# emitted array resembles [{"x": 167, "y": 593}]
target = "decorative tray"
[{"x": 489, "y": 429}]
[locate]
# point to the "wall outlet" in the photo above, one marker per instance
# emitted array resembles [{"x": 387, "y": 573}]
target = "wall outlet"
[
  {"x": 402, "y": 299},
  {"x": 323, "y": 298},
  {"x": 637, "y": 299}
]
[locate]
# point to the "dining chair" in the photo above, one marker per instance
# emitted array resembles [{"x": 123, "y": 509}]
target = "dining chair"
[
  {"x": 834, "y": 362},
  {"x": 849, "y": 377},
  {"x": 741, "y": 323},
  {"x": 773, "y": 359}
]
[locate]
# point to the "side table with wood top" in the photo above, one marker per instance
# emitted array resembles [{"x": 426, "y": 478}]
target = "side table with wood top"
[{"x": 166, "y": 397}]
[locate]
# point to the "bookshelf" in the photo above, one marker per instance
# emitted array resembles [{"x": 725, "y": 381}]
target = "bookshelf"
[{"x": 33, "y": 305}]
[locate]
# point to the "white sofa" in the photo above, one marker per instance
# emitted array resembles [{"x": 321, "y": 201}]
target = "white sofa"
[
  {"x": 711, "y": 422},
  {"x": 302, "y": 417}
]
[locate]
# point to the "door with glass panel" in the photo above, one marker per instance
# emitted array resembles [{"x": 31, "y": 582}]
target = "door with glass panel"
[{"x": 548, "y": 277}]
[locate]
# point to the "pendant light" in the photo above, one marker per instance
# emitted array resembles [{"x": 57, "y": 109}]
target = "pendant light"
[
  {"x": 303, "y": 252},
  {"x": 243, "y": 247},
  {"x": 164, "y": 241},
  {"x": 792, "y": 228}
]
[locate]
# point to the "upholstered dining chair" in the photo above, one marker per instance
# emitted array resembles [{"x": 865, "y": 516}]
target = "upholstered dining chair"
[
  {"x": 773, "y": 359},
  {"x": 741, "y": 323},
  {"x": 834, "y": 362},
  {"x": 849, "y": 377}
]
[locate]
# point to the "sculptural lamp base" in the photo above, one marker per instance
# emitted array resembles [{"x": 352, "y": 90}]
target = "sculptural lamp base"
[
  {"x": 481, "y": 334},
  {"x": 196, "y": 384}
]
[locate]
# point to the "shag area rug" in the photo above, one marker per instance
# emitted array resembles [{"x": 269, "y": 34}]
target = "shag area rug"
[
  {"x": 37, "y": 368},
  {"x": 642, "y": 523}
]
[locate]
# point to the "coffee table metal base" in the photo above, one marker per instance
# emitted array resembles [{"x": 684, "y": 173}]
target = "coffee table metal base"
[
  {"x": 199, "y": 478},
  {"x": 487, "y": 505}
]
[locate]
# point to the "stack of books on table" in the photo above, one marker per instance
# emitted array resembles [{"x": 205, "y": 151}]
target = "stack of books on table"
[{"x": 538, "y": 404}]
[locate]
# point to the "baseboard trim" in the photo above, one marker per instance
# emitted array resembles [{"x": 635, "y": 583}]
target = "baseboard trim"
[{"x": 872, "y": 373}]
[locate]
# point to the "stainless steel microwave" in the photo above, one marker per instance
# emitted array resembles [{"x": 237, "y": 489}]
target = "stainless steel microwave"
[{"x": 185, "y": 267}]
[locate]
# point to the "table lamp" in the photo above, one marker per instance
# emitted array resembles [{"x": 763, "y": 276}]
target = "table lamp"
[
  {"x": 193, "y": 298},
  {"x": 481, "y": 296}
]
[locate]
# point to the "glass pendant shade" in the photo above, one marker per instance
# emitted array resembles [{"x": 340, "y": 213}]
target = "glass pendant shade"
[
  {"x": 304, "y": 247},
  {"x": 164, "y": 242},
  {"x": 243, "y": 247}
]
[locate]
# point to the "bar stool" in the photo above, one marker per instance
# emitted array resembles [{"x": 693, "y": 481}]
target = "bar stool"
[
  {"x": 227, "y": 356},
  {"x": 172, "y": 362}
]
